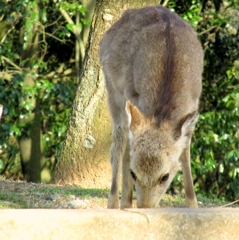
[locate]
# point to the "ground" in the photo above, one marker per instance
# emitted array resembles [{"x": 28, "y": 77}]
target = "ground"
[{"x": 20, "y": 194}]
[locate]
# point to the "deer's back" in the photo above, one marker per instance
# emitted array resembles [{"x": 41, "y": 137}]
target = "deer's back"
[{"x": 153, "y": 58}]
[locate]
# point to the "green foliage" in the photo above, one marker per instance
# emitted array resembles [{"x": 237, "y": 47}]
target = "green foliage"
[
  {"x": 55, "y": 101},
  {"x": 215, "y": 148},
  {"x": 72, "y": 8},
  {"x": 53, "y": 86}
]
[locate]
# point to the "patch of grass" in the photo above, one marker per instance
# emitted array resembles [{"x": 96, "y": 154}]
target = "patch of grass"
[
  {"x": 179, "y": 201},
  {"x": 12, "y": 200},
  {"x": 30, "y": 195},
  {"x": 211, "y": 202},
  {"x": 172, "y": 201},
  {"x": 86, "y": 193}
]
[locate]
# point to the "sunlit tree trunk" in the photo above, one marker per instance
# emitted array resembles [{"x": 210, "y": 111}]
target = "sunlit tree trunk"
[{"x": 84, "y": 159}]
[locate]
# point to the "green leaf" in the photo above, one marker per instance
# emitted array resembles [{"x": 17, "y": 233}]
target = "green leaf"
[
  {"x": 82, "y": 10},
  {"x": 70, "y": 27},
  {"x": 86, "y": 22},
  {"x": 79, "y": 26}
]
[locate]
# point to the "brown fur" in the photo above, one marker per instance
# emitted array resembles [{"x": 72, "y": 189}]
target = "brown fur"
[{"x": 152, "y": 62}]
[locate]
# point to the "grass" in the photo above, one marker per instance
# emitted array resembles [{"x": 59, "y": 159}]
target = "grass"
[
  {"x": 12, "y": 200},
  {"x": 30, "y": 195}
]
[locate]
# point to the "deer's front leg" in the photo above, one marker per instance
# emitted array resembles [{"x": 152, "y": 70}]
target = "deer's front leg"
[
  {"x": 127, "y": 182},
  {"x": 191, "y": 200},
  {"x": 117, "y": 151}
]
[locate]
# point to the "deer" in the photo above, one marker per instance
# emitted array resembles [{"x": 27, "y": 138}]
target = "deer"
[{"x": 152, "y": 63}]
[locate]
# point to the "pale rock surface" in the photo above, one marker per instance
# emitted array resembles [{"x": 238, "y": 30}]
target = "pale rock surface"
[{"x": 165, "y": 223}]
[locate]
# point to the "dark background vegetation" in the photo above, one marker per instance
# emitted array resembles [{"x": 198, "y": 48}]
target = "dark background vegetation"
[{"x": 41, "y": 52}]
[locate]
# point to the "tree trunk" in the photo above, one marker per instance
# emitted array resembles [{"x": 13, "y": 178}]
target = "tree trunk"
[
  {"x": 84, "y": 158},
  {"x": 30, "y": 144}
]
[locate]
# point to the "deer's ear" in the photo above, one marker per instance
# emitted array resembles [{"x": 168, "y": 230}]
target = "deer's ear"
[
  {"x": 135, "y": 117},
  {"x": 186, "y": 126}
]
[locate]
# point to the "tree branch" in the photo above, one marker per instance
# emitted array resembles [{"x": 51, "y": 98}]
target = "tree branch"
[
  {"x": 70, "y": 21},
  {"x": 77, "y": 52},
  {"x": 164, "y": 3},
  {"x": 207, "y": 30},
  {"x": 58, "y": 39},
  {"x": 1, "y": 110},
  {"x": 66, "y": 16},
  {"x": 11, "y": 63}
]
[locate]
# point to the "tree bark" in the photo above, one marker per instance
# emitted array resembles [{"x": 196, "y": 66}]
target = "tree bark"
[{"x": 86, "y": 148}]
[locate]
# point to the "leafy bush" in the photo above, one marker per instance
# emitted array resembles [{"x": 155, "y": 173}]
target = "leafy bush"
[
  {"x": 55, "y": 100},
  {"x": 53, "y": 83}
]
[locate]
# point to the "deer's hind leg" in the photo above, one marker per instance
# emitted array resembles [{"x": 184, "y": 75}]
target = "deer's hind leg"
[{"x": 118, "y": 146}]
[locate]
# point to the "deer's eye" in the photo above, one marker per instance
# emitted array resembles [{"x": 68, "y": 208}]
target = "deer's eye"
[
  {"x": 164, "y": 178},
  {"x": 133, "y": 175}
]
